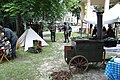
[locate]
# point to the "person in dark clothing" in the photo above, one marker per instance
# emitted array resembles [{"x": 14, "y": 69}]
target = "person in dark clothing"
[
  {"x": 66, "y": 32},
  {"x": 94, "y": 33},
  {"x": 90, "y": 28},
  {"x": 12, "y": 37},
  {"x": 40, "y": 30},
  {"x": 110, "y": 32},
  {"x": 52, "y": 29},
  {"x": 70, "y": 30},
  {"x": 104, "y": 32}
]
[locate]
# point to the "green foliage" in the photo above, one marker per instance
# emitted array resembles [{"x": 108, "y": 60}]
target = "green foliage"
[
  {"x": 17, "y": 6},
  {"x": 53, "y": 9},
  {"x": 74, "y": 7},
  {"x": 49, "y": 10}
]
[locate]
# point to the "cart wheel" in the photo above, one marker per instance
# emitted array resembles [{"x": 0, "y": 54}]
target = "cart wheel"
[{"x": 78, "y": 64}]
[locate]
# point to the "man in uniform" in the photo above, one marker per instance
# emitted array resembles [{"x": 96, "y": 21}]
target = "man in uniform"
[
  {"x": 52, "y": 28},
  {"x": 66, "y": 32},
  {"x": 12, "y": 37}
]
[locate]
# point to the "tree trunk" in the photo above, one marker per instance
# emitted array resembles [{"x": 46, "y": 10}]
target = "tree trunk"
[
  {"x": 7, "y": 23},
  {"x": 77, "y": 20},
  {"x": 19, "y": 25}
]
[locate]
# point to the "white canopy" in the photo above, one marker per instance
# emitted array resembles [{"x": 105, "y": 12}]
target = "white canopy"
[
  {"x": 26, "y": 39},
  {"x": 111, "y": 16}
]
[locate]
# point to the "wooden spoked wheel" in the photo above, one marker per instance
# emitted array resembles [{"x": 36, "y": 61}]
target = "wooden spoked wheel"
[{"x": 78, "y": 64}]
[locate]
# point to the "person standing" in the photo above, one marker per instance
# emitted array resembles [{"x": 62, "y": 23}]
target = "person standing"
[
  {"x": 12, "y": 37},
  {"x": 66, "y": 32},
  {"x": 52, "y": 29},
  {"x": 94, "y": 33},
  {"x": 90, "y": 31},
  {"x": 104, "y": 32},
  {"x": 70, "y": 30},
  {"x": 110, "y": 32},
  {"x": 40, "y": 29}
]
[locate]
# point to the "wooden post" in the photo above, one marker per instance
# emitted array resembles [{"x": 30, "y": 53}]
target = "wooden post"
[
  {"x": 82, "y": 15},
  {"x": 99, "y": 25}
]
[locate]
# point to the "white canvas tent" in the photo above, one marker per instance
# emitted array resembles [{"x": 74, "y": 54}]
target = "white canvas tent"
[
  {"x": 26, "y": 39},
  {"x": 111, "y": 16}
]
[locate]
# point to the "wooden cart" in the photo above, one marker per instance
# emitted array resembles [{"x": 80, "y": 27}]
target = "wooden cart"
[{"x": 82, "y": 52}]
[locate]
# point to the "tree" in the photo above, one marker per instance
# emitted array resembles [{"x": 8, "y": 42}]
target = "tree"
[
  {"x": 4, "y": 19},
  {"x": 36, "y": 10},
  {"x": 75, "y": 8},
  {"x": 16, "y": 8},
  {"x": 51, "y": 10}
]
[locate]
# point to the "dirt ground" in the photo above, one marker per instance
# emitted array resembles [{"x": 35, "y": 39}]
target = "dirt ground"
[
  {"x": 93, "y": 73},
  {"x": 57, "y": 63}
]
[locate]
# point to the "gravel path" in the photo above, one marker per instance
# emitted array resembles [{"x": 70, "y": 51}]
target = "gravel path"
[{"x": 57, "y": 63}]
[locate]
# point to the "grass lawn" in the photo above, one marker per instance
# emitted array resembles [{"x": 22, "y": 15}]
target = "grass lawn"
[
  {"x": 29, "y": 66},
  {"x": 26, "y": 65}
]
